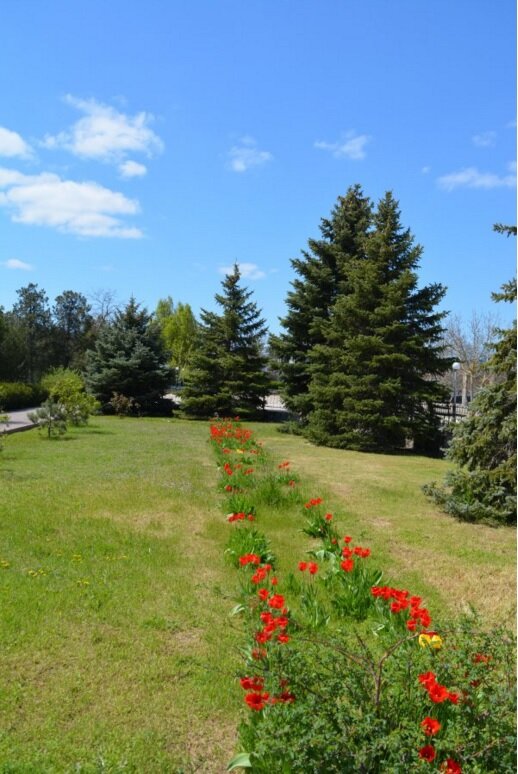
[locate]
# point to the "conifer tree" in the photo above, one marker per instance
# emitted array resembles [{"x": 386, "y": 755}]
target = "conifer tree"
[
  {"x": 482, "y": 485},
  {"x": 129, "y": 358},
  {"x": 227, "y": 373},
  {"x": 322, "y": 277},
  {"x": 372, "y": 378}
]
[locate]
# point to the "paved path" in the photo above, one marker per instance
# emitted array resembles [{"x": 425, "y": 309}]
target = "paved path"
[{"x": 18, "y": 421}]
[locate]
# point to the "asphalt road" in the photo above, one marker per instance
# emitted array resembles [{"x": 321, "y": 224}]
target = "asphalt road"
[{"x": 17, "y": 421}]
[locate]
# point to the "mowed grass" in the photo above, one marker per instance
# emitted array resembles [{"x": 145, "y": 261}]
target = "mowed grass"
[
  {"x": 118, "y": 653},
  {"x": 378, "y": 498}
]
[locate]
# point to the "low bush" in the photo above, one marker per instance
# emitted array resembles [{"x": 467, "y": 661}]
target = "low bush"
[
  {"x": 51, "y": 418},
  {"x": 18, "y": 395},
  {"x": 67, "y": 388}
]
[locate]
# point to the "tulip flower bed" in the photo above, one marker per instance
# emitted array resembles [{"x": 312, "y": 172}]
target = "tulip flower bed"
[{"x": 343, "y": 672}]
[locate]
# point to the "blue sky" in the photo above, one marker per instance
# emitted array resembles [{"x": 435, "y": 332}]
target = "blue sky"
[{"x": 144, "y": 147}]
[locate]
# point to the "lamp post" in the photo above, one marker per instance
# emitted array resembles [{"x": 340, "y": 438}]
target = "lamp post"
[{"x": 455, "y": 367}]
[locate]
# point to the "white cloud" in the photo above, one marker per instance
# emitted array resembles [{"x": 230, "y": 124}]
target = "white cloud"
[
  {"x": 11, "y": 144},
  {"x": 14, "y": 263},
  {"x": 484, "y": 139},
  {"x": 132, "y": 169},
  {"x": 246, "y": 155},
  {"x": 85, "y": 208},
  {"x": 106, "y": 134},
  {"x": 426, "y": 170},
  {"x": 352, "y": 146},
  {"x": 247, "y": 270},
  {"x": 472, "y": 178}
]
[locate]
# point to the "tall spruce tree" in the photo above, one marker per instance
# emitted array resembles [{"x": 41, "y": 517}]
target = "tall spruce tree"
[
  {"x": 482, "y": 485},
  {"x": 227, "y": 373},
  {"x": 129, "y": 358},
  {"x": 372, "y": 378},
  {"x": 322, "y": 277}
]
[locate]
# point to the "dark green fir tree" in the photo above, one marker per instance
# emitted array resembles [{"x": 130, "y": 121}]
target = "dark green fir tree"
[
  {"x": 227, "y": 373},
  {"x": 482, "y": 485},
  {"x": 373, "y": 377},
  {"x": 129, "y": 358},
  {"x": 322, "y": 276}
]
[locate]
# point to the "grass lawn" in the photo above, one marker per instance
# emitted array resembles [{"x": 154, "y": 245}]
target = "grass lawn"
[{"x": 118, "y": 654}]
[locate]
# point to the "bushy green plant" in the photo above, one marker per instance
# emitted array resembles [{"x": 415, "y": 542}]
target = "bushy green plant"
[
  {"x": 359, "y": 705},
  {"x": 51, "y": 417},
  {"x": 17, "y": 395},
  {"x": 248, "y": 540},
  {"x": 67, "y": 387}
]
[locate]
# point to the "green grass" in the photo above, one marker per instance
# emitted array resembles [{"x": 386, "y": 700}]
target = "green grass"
[
  {"x": 378, "y": 500},
  {"x": 118, "y": 654}
]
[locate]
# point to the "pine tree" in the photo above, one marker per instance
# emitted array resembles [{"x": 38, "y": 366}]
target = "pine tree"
[
  {"x": 227, "y": 374},
  {"x": 129, "y": 358},
  {"x": 31, "y": 316},
  {"x": 482, "y": 486},
  {"x": 372, "y": 378},
  {"x": 322, "y": 278}
]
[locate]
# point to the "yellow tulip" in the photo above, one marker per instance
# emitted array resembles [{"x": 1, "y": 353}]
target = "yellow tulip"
[{"x": 433, "y": 640}]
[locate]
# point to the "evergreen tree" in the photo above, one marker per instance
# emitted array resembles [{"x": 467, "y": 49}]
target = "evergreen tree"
[
  {"x": 482, "y": 486},
  {"x": 372, "y": 378},
  {"x": 322, "y": 277},
  {"x": 129, "y": 358},
  {"x": 227, "y": 373},
  {"x": 32, "y": 326},
  {"x": 73, "y": 323}
]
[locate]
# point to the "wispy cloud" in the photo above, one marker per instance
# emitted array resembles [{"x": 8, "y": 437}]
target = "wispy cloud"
[
  {"x": 249, "y": 271},
  {"x": 84, "y": 209},
  {"x": 106, "y": 134},
  {"x": 246, "y": 155},
  {"x": 132, "y": 169},
  {"x": 426, "y": 170},
  {"x": 351, "y": 146},
  {"x": 13, "y": 145},
  {"x": 484, "y": 139},
  {"x": 14, "y": 263},
  {"x": 471, "y": 177}
]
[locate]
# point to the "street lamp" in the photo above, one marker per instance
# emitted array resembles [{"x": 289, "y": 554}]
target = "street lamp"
[{"x": 455, "y": 367}]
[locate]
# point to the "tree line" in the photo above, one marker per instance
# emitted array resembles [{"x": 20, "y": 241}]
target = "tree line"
[{"x": 362, "y": 357}]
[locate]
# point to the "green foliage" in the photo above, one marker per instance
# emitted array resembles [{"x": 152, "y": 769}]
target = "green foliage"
[
  {"x": 50, "y": 417},
  {"x": 73, "y": 328},
  {"x": 358, "y": 706},
  {"x": 321, "y": 277},
  {"x": 67, "y": 387},
  {"x": 18, "y": 395},
  {"x": 482, "y": 486},
  {"x": 179, "y": 332},
  {"x": 362, "y": 347},
  {"x": 228, "y": 370},
  {"x": 248, "y": 540},
  {"x": 130, "y": 358},
  {"x": 372, "y": 376}
]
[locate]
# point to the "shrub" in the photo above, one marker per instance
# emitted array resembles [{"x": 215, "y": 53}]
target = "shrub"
[
  {"x": 67, "y": 387},
  {"x": 50, "y": 417},
  {"x": 18, "y": 395},
  {"x": 361, "y": 708},
  {"x": 123, "y": 405}
]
